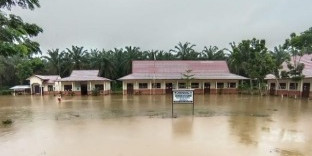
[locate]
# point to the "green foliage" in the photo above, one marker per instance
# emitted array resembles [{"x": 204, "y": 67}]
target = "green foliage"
[
  {"x": 5, "y": 92},
  {"x": 248, "y": 58},
  {"x": 213, "y": 53},
  {"x": 15, "y": 38},
  {"x": 185, "y": 51},
  {"x": 28, "y": 67},
  {"x": 188, "y": 76},
  {"x": 24, "y": 71},
  {"x": 95, "y": 92},
  {"x": 301, "y": 43},
  {"x": 77, "y": 55},
  {"x": 53, "y": 60},
  {"x": 298, "y": 45},
  {"x": 243, "y": 86},
  {"x": 279, "y": 56},
  {"x": 284, "y": 74},
  {"x": 25, "y": 4},
  {"x": 295, "y": 71},
  {"x": 251, "y": 58}
]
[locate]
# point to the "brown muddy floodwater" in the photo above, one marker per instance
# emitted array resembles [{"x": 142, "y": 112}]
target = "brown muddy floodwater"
[{"x": 119, "y": 125}]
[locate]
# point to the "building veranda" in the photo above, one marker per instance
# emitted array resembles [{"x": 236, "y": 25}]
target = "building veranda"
[{"x": 160, "y": 77}]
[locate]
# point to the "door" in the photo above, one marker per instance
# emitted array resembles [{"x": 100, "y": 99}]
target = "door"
[
  {"x": 168, "y": 88},
  {"x": 272, "y": 89},
  {"x": 84, "y": 89},
  {"x": 130, "y": 88},
  {"x": 306, "y": 90},
  {"x": 207, "y": 88},
  {"x": 37, "y": 89}
]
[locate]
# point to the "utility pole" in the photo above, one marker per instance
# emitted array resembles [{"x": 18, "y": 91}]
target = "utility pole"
[{"x": 153, "y": 87}]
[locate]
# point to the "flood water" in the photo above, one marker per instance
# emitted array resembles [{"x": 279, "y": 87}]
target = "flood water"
[{"x": 118, "y": 125}]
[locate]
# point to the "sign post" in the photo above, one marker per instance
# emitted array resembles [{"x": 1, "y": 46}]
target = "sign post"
[{"x": 182, "y": 96}]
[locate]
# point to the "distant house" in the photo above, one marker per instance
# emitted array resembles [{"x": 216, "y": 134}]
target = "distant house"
[
  {"x": 160, "y": 77},
  {"x": 43, "y": 84},
  {"x": 286, "y": 86},
  {"x": 82, "y": 82},
  {"x": 20, "y": 89}
]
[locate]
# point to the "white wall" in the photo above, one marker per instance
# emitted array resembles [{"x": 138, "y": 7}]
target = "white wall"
[
  {"x": 90, "y": 85},
  {"x": 175, "y": 83},
  {"x": 35, "y": 80}
]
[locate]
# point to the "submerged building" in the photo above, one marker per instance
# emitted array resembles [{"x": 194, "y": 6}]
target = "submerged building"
[
  {"x": 43, "y": 84},
  {"x": 80, "y": 82},
  {"x": 160, "y": 77},
  {"x": 83, "y": 82},
  {"x": 288, "y": 87}
]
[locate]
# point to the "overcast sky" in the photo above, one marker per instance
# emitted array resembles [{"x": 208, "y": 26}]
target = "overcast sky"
[{"x": 161, "y": 24}]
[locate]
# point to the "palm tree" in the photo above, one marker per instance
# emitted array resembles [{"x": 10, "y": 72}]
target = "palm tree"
[
  {"x": 54, "y": 57},
  {"x": 185, "y": 51},
  {"x": 107, "y": 65},
  {"x": 118, "y": 59},
  {"x": 66, "y": 64},
  {"x": 95, "y": 59},
  {"x": 131, "y": 53},
  {"x": 77, "y": 55},
  {"x": 213, "y": 53},
  {"x": 236, "y": 58}
]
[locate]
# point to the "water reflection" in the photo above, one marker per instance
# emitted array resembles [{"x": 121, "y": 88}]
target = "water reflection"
[{"x": 182, "y": 127}]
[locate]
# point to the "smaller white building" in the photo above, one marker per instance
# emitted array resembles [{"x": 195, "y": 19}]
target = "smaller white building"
[
  {"x": 44, "y": 84},
  {"x": 83, "y": 82}
]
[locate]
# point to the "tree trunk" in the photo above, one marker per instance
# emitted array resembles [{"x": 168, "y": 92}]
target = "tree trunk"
[{"x": 251, "y": 86}]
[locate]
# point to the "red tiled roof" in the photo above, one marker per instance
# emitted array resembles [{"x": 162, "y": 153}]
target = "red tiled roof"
[
  {"x": 179, "y": 66},
  {"x": 173, "y": 70},
  {"x": 305, "y": 59},
  {"x": 84, "y": 75}
]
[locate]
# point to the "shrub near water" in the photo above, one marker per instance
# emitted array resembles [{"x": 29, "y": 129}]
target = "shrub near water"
[
  {"x": 5, "y": 92},
  {"x": 95, "y": 92}
]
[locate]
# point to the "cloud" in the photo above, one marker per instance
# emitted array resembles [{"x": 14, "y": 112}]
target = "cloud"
[{"x": 161, "y": 24}]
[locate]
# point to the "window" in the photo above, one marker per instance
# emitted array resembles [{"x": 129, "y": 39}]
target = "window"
[
  {"x": 142, "y": 85},
  {"x": 50, "y": 88},
  {"x": 68, "y": 87},
  {"x": 220, "y": 85},
  {"x": 99, "y": 87},
  {"x": 156, "y": 85},
  {"x": 194, "y": 85},
  {"x": 282, "y": 86},
  {"x": 182, "y": 85},
  {"x": 293, "y": 86},
  {"x": 232, "y": 85}
]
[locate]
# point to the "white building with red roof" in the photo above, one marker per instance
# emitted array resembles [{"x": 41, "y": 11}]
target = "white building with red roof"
[
  {"x": 83, "y": 82},
  {"x": 44, "y": 84},
  {"x": 286, "y": 86},
  {"x": 160, "y": 77}
]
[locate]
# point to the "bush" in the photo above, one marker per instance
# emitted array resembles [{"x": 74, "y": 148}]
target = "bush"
[
  {"x": 95, "y": 92},
  {"x": 243, "y": 87},
  {"x": 5, "y": 92}
]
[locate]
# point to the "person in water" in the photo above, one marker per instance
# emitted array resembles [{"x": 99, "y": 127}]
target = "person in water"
[{"x": 59, "y": 98}]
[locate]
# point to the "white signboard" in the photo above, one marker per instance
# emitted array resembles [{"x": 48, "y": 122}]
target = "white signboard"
[{"x": 183, "y": 96}]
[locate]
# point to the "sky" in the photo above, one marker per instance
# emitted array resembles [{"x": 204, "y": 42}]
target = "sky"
[{"x": 161, "y": 24}]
